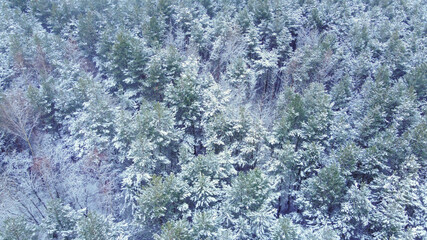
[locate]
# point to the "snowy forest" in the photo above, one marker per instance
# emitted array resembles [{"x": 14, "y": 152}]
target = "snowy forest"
[{"x": 213, "y": 119}]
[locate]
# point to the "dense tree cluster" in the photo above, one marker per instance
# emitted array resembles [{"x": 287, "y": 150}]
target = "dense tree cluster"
[{"x": 203, "y": 119}]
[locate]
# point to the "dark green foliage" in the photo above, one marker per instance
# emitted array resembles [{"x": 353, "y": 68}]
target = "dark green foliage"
[
  {"x": 417, "y": 79},
  {"x": 417, "y": 140},
  {"x": 93, "y": 227},
  {"x": 124, "y": 58},
  {"x": 93, "y": 127},
  {"x": 292, "y": 118},
  {"x": 184, "y": 94},
  {"x": 17, "y": 229},
  {"x": 153, "y": 139},
  {"x": 203, "y": 119},
  {"x": 21, "y": 4},
  {"x": 121, "y": 52},
  {"x": 162, "y": 70},
  {"x": 174, "y": 230},
  {"x": 60, "y": 220},
  {"x": 44, "y": 100},
  {"x": 356, "y": 211},
  {"x": 249, "y": 191},
  {"x": 326, "y": 190},
  {"x": 285, "y": 230},
  {"x": 307, "y": 117},
  {"x": 205, "y": 225},
  {"x": 41, "y": 10},
  {"x": 318, "y": 112},
  {"x": 162, "y": 200},
  {"x": 88, "y": 33},
  {"x": 260, "y": 10},
  {"x": 341, "y": 93},
  {"x": 349, "y": 158}
]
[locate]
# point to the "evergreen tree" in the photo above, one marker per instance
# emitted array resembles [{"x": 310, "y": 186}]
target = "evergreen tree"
[
  {"x": 161, "y": 201},
  {"x": 318, "y": 110},
  {"x": 248, "y": 205},
  {"x": 151, "y": 144},
  {"x": 174, "y": 230},
  {"x": 323, "y": 193},
  {"x": 200, "y": 119},
  {"x": 185, "y": 96},
  {"x": 128, "y": 60},
  {"x": 205, "y": 225},
  {"x": 60, "y": 221},
  {"x": 92, "y": 226},
  {"x": 17, "y": 229},
  {"x": 416, "y": 80},
  {"x": 88, "y": 34},
  {"x": 356, "y": 212},
  {"x": 284, "y": 229},
  {"x": 162, "y": 70},
  {"x": 93, "y": 127}
]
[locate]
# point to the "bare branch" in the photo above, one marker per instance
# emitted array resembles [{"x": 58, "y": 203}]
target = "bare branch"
[{"x": 17, "y": 115}]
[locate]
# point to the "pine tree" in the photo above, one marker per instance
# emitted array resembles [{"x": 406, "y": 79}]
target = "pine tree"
[
  {"x": 17, "y": 229},
  {"x": 205, "y": 225},
  {"x": 240, "y": 77},
  {"x": 261, "y": 10},
  {"x": 341, "y": 93},
  {"x": 417, "y": 138},
  {"x": 155, "y": 22},
  {"x": 248, "y": 205},
  {"x": 318, "y": 110},
  {"x": 178, "y": 230},
  {"x": 162, "y": 69},
  {"x": 161, "y": 201},
  {"x": 356, "y": 212},
  {"x": 204, "y": 191},
  {"x": 185, "y": 96},
  {"x": 124, "y": 134},
  {"x": 60, "y": 221},
  {"x": 93, "y": 125},
  {"x": 152, "y": 144},
  {"x": 406, "y": 113},
  {"x": 266, "y": 71},
  {"x": 374, "y": 111},
  {"x": 322, "y": 193},
  {"x": 201, "y": 34},
  {"x": 128, "y": 59},
  {"x": 218, "y": 167},
  {"x": 290, "y": 117},
  {"x": 92, "y": 226},
  {"x": 417, "y": 81},
  {"x": 284, "y": 229},
  {"x": 71, "y": 91},
  {"x": 88, "y": 34},
  {"x": 44, "y": 100},
  {"x": 7, "y": 70}
]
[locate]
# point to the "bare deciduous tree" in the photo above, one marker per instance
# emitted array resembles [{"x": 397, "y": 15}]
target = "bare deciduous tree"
[{"x": 17, "y": 115}]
